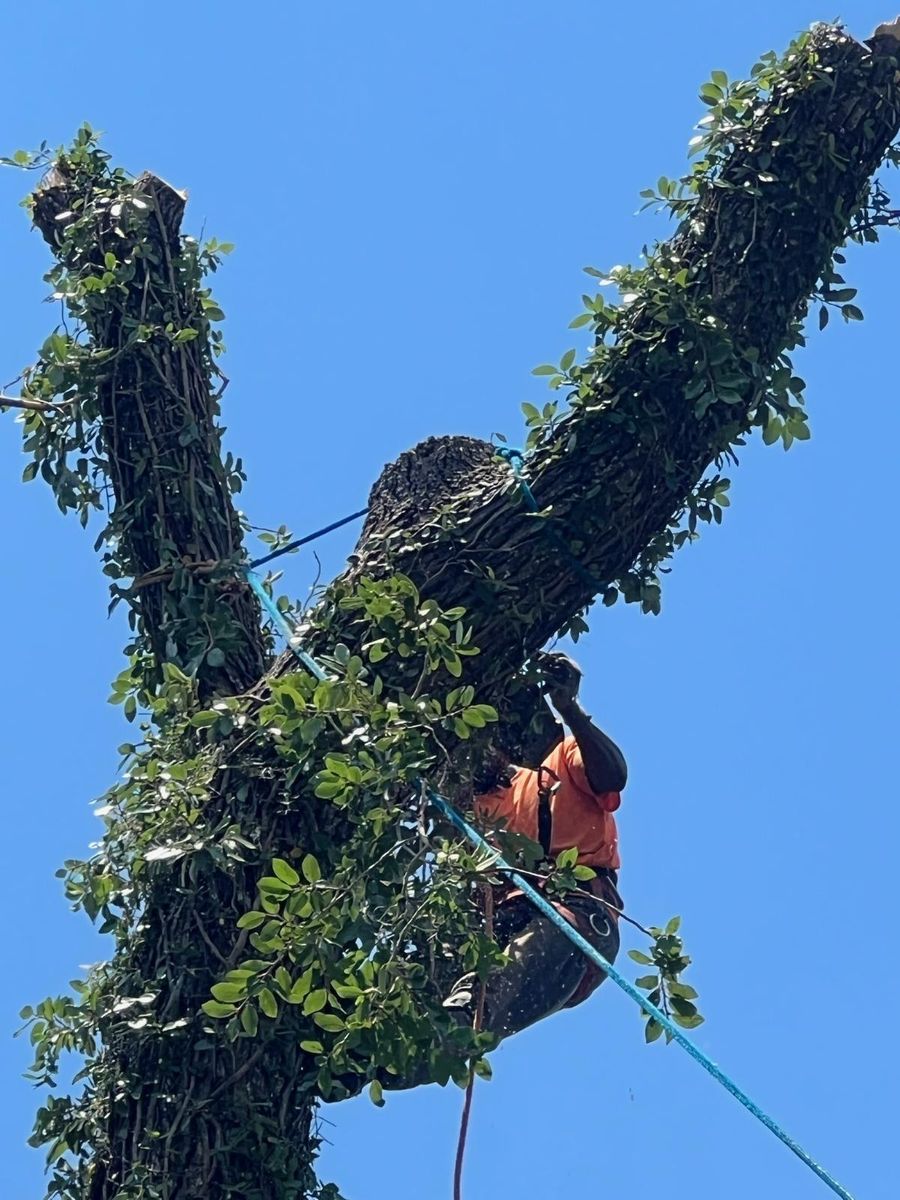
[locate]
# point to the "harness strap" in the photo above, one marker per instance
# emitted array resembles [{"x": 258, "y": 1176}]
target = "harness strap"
[{"x": 546, "y": 791}]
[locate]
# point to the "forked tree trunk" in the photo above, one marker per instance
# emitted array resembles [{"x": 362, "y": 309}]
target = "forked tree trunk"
[{"x": 613, "y": 475}]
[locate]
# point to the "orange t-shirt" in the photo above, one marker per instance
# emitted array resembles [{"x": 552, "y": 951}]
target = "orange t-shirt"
[{"x": 581, "y": 816}]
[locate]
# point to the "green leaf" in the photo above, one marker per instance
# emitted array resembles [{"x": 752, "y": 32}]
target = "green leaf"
[
  {"x": 772, "y": 431},
  {"x": 328, "y": 1022},
  {"x": 229, "y": 992},
  {"x": 532, "y": 413},
  {"x": 315, "y": 1001},
  {"x": 487, "y": 710},
  {"x": 213, "y": 1008},
  {"x": 851, "y": 312},
  {"x": 285, "y": 872},
  {"x": 250, "y": 1019},
  {"x": 312, "y": 872},
  {"x": 652, "y": 1030},
  {"x": 301, "y": 987},
  {"x": 268, "y": 1003},
  {"x": 544, "y": 369},
  {"x": 566, "y": 361},
  {"x": 712, "y": 94},
  {"x": 720, "y": 79},
  {"x": 689, "y": 1022},
  {"x": 581, "y": 320},
  {"x": 202, "y": 720},
  {"x": 674, "y": 925},
  {"x": 312, "y": 1047},
  {"x": 271, "y": 883},
  {"x": 215, "y": 657},
  {"x": 638, "y": 957},
  {"x": 647, "y": 982},
  {"x": 376, "y": 1094},
  {"x": 251, "y": 920},
  {"x": 823, "y": 317}
]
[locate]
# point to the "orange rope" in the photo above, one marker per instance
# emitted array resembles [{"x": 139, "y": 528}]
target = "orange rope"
[{"x": 470, "y": 1086}]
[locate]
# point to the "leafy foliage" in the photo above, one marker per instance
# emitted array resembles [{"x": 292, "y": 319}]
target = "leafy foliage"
[
  {"x": 284, "y": 911},
  {"x": 683, "y": 347}
]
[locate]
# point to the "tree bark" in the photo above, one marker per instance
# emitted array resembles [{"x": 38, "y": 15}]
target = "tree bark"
[
  {"x": 612, "y": 486},
  {"x": 446, "y": 514}
]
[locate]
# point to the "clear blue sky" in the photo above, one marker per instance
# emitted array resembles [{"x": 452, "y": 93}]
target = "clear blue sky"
[{"x": 413, "y": 189}]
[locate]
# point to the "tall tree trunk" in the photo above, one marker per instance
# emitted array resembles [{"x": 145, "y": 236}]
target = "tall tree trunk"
[{"x": 610, "y": 477}]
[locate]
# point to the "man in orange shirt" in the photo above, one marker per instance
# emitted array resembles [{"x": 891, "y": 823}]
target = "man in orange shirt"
[{"x": 567, "y": 802}]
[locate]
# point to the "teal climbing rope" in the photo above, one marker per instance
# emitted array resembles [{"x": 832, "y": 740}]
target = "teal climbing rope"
[
  {"x": 516, "y": 460},
  {"x": 598, "y": 960},
  {"x": 282, "y": 624},
  {"x": 446, "y": 808}
]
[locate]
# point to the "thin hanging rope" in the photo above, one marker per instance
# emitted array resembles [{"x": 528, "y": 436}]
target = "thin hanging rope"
[
  {"x": 476, "y": 1025},
  {"x": 310, "y": 537}
]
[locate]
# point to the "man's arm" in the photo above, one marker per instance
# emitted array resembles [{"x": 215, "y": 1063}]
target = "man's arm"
[{"x": 604, "y": 763}]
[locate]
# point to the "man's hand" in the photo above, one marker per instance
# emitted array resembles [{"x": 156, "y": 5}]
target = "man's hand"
[
  {"x": 603, "y": 761},
  {"x": 561, "y": 680}
]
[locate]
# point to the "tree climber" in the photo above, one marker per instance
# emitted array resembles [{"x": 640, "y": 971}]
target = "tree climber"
[{"x": 567, "y": 801}]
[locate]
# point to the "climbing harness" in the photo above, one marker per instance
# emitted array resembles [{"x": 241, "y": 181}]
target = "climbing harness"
[{"x": 564, "y": 926}]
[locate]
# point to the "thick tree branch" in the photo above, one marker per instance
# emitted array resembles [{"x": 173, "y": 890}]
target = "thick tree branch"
[
  {"x": 158, "y": 413},
  {"x": 610, "y": 481}
]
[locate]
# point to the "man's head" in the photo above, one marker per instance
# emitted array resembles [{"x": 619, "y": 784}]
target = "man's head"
[{"x": 495, "y": 770}]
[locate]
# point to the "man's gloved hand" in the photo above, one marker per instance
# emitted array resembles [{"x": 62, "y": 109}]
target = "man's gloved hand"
[{"x": 561, "y": 678}]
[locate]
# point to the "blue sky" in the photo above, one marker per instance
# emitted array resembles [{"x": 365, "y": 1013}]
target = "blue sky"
[{"x": 413, "y": 190}]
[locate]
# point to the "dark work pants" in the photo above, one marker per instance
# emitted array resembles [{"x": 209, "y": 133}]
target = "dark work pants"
[{"x": 545, "y": 972}]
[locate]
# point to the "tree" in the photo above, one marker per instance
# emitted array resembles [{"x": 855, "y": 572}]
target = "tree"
[{"x": 281, "y": 907}]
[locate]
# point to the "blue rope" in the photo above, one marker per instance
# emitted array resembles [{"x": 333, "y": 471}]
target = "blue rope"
[
  {"x": 516, "y": 460},
  {"x": 598, "y": 960},
  {"x": 566, "y": 928},
  {"x": 283, "y": 625},
  {"x": 310, "y": 537}
]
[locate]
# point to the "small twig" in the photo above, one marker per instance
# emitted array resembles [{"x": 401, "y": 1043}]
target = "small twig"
[
  {"x": 235, "y": 1078},
  {"x": 164, "y": 574},
  {"x": 40, "y": 406},
  {"x": 209, "y": 942}
]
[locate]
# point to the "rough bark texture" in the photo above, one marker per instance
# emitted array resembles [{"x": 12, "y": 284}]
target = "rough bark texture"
[
  {"x": 612, "y": 491},
  {"x": 159, "y": 418},
  {"x": 444, "y": 513}
]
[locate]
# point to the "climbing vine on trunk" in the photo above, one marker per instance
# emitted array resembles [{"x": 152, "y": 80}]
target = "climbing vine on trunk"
[{"x": 285, "y": 913}]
